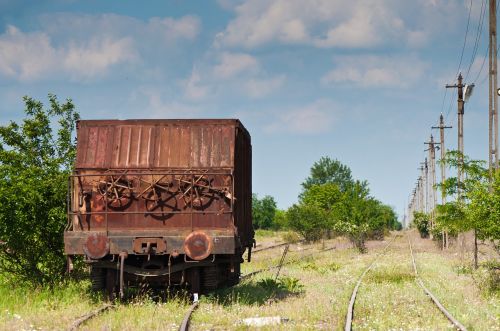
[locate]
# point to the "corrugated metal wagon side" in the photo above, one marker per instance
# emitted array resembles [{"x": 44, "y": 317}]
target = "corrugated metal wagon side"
[{"x": 162, "y": 201}]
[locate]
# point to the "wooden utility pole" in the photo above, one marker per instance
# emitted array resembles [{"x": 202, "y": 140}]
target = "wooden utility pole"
[
  {"x": 460, "y": 101},
  {"x": 493, "y": 90},
  {"x": 426, "y": 186},
  {"x": 432, "y": 194},
  {"x": 460, "y": 86},
  {"x": 441, "y": 128}
]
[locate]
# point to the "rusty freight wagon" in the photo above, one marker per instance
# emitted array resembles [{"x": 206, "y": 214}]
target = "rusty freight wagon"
[{"x": 166, "y": 202}]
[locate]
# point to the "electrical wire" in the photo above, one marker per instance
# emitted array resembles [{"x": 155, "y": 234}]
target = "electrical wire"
[
  {"x": 479, "y": 32},
  {"x": 461, "y": 59},
  {"x": 465, "y": 39}
]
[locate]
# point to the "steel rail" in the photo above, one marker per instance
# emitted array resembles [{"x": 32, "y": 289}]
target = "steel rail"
[
  {"x": 185, "y": 321},
  {"x": 79, "y": 321},
  {"x": 350, "y": 309},
  {"x": 438, "y": 304},
  {"x": 253, "y": 273},
  {"x": 275, "y": 246}
]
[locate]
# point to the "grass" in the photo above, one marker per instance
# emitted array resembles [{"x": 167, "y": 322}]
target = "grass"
[
  {"x": 455, "y": 286},
  {"x": 311, "y": 293}
]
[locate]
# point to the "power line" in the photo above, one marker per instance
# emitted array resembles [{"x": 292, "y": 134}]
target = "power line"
[
  {"x": 482, "y": 64},
  {"x": 465, "y": 39},
  {"x": 479, "y": 31}
]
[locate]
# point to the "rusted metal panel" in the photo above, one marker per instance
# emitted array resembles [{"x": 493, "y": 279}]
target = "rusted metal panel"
[{"x": 156, "y": 144}]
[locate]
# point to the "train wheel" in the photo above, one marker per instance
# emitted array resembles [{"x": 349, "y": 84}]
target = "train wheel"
[
  {"x": 194, "y": 280},
  {"x": 111, "y": 284},
  {"x": 97, "y": 278}
]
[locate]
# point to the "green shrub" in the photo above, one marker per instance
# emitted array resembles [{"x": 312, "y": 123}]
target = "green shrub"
[
  {"x": 290, "y": 284},
  {"x": 422, "y": 222},
  {"x": 488, "y": 278},
  {"x": 323, "y": 269}
]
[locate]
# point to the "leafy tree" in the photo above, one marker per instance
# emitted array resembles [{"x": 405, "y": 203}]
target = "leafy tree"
[
  {"x": 325, "y": 196},
  {"x": 35, "y": 163},
  {"x": 263, "y": 211},
  {"x": 478, "y": 208},
  {"x": 308, "y": 220},
  {"x": 356, "y": 214},
  {"x": 346, "y": 204},
  {"x": 483, "y": 210},
  {"x": 331, "y": 171},
  {"x": 280, "y": 220}
]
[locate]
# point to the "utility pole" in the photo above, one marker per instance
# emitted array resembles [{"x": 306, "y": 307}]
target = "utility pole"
[
  {"x": 432, "y": 181},
  {"x": 460, "y": 101},
  {"x": 493, "y": 90},
  {"x": 441, "y": 128},
  {"x": 426, "y": 186}
]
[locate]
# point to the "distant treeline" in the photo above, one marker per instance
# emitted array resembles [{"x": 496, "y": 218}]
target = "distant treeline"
[{"x": 331, "y": 203}]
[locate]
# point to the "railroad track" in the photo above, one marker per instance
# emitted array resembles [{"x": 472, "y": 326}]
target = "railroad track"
[
  {"x": 438, "y": 304},
  {"x": 350, "y": 310},
  {"x": 253, "y": 273},
  {"x": 83, "y": 319},
  {"x": 275, "y": 246},
  {"x": 187, "y": 317},
  {"x": 185, "y": 321}
]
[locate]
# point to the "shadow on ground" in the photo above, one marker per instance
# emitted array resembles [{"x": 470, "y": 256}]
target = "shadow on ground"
[{"x": 257, "y": 292}]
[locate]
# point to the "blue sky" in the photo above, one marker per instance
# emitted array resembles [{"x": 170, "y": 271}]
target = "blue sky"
[{"x": 360, "y": 81}]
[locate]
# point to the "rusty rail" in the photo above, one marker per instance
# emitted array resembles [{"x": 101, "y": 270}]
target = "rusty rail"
[
  {"x": 253, "y": 273},
  {"x": 79, "y": 321},
  {"x": 274, "y": 246},
  {"x": 185, "y": 322},
  {"x": 438, "y": 304},
  {"x": 350, "y": 309}
]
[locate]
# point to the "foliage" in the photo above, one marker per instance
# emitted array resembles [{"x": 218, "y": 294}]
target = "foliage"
[
  {"x": 321, "y": 269},
  {"x": 479, "y": 206},
  {"x": 282, "y": 284},
  {"x": 422, "y": 222},
  {"x": 280, "y": 220},
  {"x": 263, "y": 211},
  {"x": 345, "y": 205},
  {"x": 308, "y": 221},
  {"x": 326, "y": 171},
  {"x": 34, "y": 168},
  {"x": 488, "y": 277}
]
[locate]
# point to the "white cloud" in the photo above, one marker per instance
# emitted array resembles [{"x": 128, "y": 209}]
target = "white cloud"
[
  {"x": 232, "y": 73},
  {"x": 376, "y": 71},
  {"x": 314, "y": 118},
  {"x": 232, "y": 64},
  {"x": 159, "y": 30},
  {"x": 260, "y": 87},
  {"x": 83, "y": 47},
  {"x": 30, "y": 56},
  {"x": 335, "y": 23},
  {"x": 160, "y": 108},
  {"x": 25, "y": 56},
  {"x": 193, "y": 86},
  {"x": 95, "y": 57}
]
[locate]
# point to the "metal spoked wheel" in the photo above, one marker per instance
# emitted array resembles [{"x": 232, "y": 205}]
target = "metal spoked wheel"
[{"x": 117, "y": 192}]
